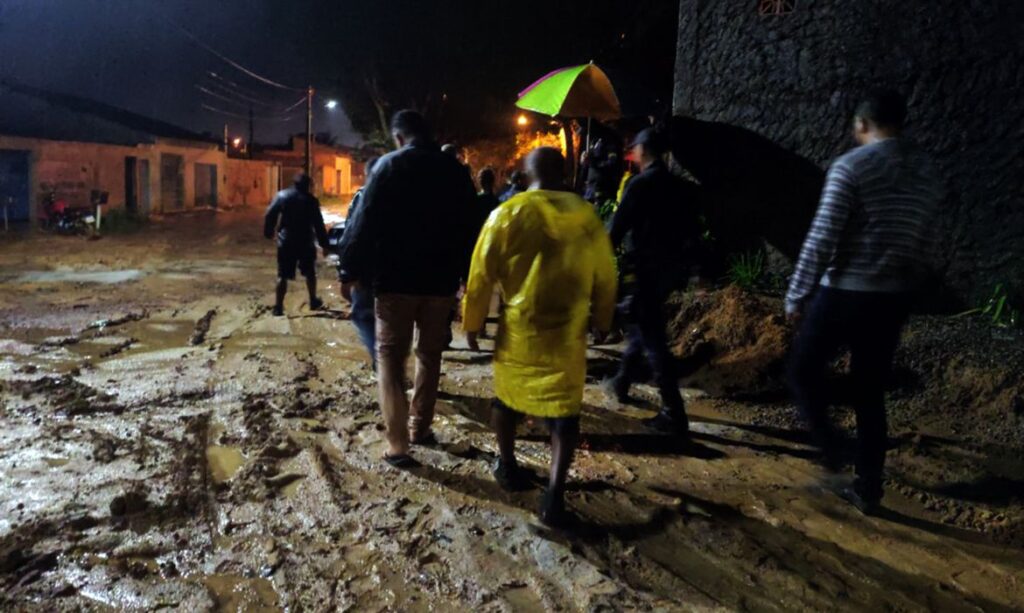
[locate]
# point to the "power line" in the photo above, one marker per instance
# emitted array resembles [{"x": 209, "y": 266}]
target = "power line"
[
  {"x": 246, "y": 117},
  {"x": 225, "y": 58},
  {"x": 225, "y": 95}
]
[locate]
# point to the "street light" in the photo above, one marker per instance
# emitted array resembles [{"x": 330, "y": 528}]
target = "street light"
[
  {"x": 522, "y": 120},
  {"x": 237, "y": 142},
  {"x": 331, "y": 104}
]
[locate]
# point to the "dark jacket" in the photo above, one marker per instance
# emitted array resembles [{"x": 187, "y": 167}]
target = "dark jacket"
[
  {"x": 300, "y": 220},
  {"x": 659, "y": 214},
  {"x": 414, "y": 229}
]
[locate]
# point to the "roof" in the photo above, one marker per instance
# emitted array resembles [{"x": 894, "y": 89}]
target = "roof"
[{"x": 32, "y": 112}]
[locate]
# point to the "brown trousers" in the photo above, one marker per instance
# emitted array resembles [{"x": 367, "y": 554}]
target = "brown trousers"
[{"x": 397, "y": 314}]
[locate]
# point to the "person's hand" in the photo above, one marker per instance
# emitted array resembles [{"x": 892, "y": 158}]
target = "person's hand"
[
  {"x": 471, "y": 340},
  {"x": 346, "y": 289}
]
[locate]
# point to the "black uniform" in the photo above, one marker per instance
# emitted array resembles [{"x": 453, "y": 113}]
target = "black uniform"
[
  {"x": 301, "y": 223},
  {"x": 658, "y": 226}
]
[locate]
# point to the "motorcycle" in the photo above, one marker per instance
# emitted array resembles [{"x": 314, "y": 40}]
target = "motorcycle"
[{"x": 58, "y": 217}]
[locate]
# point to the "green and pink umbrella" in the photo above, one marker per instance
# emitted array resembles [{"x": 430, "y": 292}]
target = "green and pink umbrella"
[{"x": 576, "y": 91}]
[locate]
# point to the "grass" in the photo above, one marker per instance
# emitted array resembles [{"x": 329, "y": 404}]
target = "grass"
[{"x": 746, "y": 270}]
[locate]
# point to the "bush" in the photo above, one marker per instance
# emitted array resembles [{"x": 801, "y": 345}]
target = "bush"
[
  {"x": 746, "y": 269},
  {"x": 120, "y": 221}
]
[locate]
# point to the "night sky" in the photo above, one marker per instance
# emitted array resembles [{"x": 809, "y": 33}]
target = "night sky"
[{"x": 462, "y": 61}]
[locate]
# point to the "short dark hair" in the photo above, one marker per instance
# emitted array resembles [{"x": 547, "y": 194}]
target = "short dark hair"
[
  {"x": 410, "y": 123},
  {"x": 883, "y": 107},
  {"x": 302, "y": 180},
  {"x": 546, "y": 164},
  {"x": 486, "y": 177}
]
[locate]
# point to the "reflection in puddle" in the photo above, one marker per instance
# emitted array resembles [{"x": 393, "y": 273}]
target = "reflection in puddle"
[
  {"x": 224, "y": 462},
  {"x": 80, "y": 276},
  {"x": 236, "y": 593}
]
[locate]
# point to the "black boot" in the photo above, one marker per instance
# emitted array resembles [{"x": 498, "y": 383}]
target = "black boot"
[
  {"x": 669, "y": 421},
  {"x": 510, "y": 477}
]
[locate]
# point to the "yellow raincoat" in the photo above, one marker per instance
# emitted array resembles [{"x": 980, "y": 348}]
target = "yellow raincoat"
[{"x": 552, "y": 260}]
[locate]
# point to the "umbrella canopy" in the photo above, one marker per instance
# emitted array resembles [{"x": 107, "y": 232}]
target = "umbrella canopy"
[{"x": 576, "y": 91}]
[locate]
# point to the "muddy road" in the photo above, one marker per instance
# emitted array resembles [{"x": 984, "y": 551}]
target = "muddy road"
[{"x": 167, "y": 443}]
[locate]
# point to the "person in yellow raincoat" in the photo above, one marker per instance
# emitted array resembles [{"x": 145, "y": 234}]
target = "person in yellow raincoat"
[{"x": 549, "y": 255}]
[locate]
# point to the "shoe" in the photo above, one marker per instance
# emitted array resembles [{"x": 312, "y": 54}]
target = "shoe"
[
  {"x": 401, "y": 461},
  {"x": 669, "y": 422},
  {"x": 427, "y": 439},
  {"x": 552, "y": 512},
  {"x": 614, "y": 391},
  {"x": 867, "y": 506},
  {"x": 277, "y": 311},
  {"x": 316, "y": 304},
  {"x": 510, "y": 477}
]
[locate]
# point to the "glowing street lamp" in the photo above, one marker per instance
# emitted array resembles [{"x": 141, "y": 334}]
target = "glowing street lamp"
[
  {"x": 331, "y": 104},
  {"x": 522, "y": 120},
  {"x": 237, "y": 142}
]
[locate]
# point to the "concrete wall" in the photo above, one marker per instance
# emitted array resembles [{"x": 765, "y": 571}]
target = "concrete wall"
[
  {"x": 74, "y": 169},
  {"x": 795, "y": 79},
  {"x": 249, "y": 183}
]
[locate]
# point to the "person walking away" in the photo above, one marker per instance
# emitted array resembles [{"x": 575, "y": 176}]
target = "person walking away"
[
  {"x": 362, "y": 296},
  {"x": 410, "y": 241},
  {"x": 869, "y": 246},
  {"x": 487, "y": 201},
  {"x": 517, "y": 184},
  {"x": 657, "y": 225},
  {"x": 550, "y": 257},
  {"x": 295, "y": 214}
]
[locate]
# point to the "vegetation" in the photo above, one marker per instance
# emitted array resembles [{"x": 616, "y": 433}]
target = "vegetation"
[
  {"x": 746, "y": 270},
  {"x": 997, "y": 309},
  {"x": 120, "y": 221}
]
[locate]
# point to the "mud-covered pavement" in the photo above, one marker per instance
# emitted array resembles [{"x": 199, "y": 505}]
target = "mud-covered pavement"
[{"x": 167, "y": 443}]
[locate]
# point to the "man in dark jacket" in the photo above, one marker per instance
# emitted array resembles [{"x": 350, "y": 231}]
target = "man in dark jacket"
[
  {"x": 411, "y": 240},
  {"x": 658, "y": 225},
  {"x": 295, "y": 213}
]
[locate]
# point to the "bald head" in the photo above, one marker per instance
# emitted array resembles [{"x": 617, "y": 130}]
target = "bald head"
[{"x": 546, "y": 168}]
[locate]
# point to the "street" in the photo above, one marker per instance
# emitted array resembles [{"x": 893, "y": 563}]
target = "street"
[{"x": 166, "y": 442}]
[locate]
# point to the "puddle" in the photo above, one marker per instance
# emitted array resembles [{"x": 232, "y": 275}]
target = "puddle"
[
  {"x": 80, "y": 276},
  {"x": 237, "y": 593},
  {"x": 224, "y": 462}
]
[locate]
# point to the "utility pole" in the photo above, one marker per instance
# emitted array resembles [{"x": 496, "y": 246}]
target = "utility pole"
[
  {"x": 251, "y": 141},
  {"x": 225, "y": 139},
  {"x": 309, "y": 131}
]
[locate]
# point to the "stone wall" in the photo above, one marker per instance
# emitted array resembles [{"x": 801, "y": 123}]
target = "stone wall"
[{"x": 795, "y": 79}]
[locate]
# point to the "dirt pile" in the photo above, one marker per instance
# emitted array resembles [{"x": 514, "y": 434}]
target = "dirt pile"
[
  {"x": 960, "y": 377},
  {"x": 729, "y": 342}
]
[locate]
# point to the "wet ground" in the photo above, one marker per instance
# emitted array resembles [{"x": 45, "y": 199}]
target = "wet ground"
[{"x": 167, "y": 443}]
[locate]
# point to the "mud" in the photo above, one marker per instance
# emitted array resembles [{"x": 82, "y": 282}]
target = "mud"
[{"x": 243, "y": 472}]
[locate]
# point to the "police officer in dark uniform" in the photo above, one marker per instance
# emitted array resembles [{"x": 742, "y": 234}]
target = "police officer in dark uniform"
[
  {"x": 295, "y": 213},
  {"x": 657, "y": 227}
]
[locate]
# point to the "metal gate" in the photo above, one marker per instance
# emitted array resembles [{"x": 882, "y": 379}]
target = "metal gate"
[{"x": 14, "y": 166}]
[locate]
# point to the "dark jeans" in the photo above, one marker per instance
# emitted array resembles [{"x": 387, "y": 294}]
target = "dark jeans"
[
  {"x": 648, "y": 346},
  {"x": 364, "y": 320},
  {"x": 869, "y": 323}
]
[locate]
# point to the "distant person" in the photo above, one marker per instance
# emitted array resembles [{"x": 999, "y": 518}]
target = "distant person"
[
  {"x": 486, "y": 200},
  {"x": 362, "y": 314},
  {"x": 517, "y": 184},
  {"x": 456, "y": 152},
  {"x": 868, "y": 248},
  {"x": 657, "y": 227},
  {"x": 551, "y": 259},
  {"x": 410, "y": 241},
  {"x": 295, "y": 213}
]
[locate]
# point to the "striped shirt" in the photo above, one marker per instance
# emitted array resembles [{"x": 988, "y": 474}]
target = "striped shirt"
[{"x": 874, "y": 230}]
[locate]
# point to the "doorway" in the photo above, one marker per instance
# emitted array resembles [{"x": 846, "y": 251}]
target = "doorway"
[
  {"x": 172, "y": 182},
  {"x": 206, "y": 185},
  {"x": 131, "y": 184},
  {"x": 14, "y": 196},
  {"x": 145, "y": 199}
]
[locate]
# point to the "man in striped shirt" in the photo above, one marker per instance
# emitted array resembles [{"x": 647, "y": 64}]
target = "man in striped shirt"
[{"x": 868, "y": 248}]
